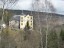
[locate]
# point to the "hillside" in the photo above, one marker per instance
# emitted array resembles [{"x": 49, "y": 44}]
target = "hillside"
[
  {"x": 53, "y": 18},
  {"x": 36, "y": 38}
]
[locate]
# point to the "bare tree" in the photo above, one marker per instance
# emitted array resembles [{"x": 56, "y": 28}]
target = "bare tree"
[
  {"x": 36, "y": 7},
  {"x": 5, "y": 5},
  {"x": 40, "y": 6},
  {"x": 50, "y": 8}
]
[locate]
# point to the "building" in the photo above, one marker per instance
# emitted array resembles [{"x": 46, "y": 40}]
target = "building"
[
  {"x": 24, "y": 19},
  {"x": 20, "y": 21},
  {"x": 14, "y": 22}
]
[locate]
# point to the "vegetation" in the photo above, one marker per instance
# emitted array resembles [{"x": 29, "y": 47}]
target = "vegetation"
[
  {"x": 30, "y": 39},
  {"x": 52, "y": 39},
  {"x": 40, "y": 37},
  {"x": 12, "y": 38},
  {"x": 19, "y": 38},
  {"x": 27, "y": 27},
  {"x": 62, "y": 34}
]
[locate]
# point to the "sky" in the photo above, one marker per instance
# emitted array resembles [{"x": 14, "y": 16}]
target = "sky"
[
  {"x": 23, "y": 5},
  {"x": 59, "y": 5},
  {"x": 26, "y": 5}
]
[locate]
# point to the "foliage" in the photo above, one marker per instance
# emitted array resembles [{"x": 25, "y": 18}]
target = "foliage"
[
  {"x": 52, "y": 39},
  {"x": 7, "y": 16},
  {"x": 19, "y": 39},
  {"x": 27, "y": 27},
  {"x": 62, "y": 34},
  {"x": 0, "y": 14},
  {"x": 7, "y": 38}
]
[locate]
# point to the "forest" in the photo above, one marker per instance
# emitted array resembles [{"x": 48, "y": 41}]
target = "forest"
[{"x": 48, "y": 31}]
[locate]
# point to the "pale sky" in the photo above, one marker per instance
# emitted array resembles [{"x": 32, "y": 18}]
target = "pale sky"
[
  {"x": 59, "y": 5},
  {"x": 26, "y": 5},
  {"x": 23, "y": 5}
]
